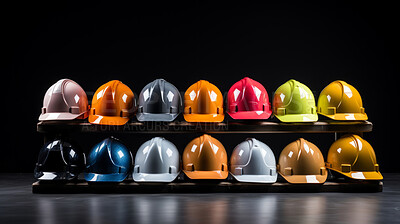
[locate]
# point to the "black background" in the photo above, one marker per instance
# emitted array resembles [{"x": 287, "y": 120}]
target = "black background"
[{"x": 314, "y": 43}]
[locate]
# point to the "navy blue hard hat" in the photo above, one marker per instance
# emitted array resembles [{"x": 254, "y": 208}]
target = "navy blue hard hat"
[
  {"x": 108, "y": 161},
  {"x": 59, "y": 160}
]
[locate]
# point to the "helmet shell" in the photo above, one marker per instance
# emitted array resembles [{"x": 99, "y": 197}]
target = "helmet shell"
[
  {"x": 205, "y": 158},
  {"x": 64, "y": 100},
  {"x": 159, "y": 101},
  {"x": 248, "y": 99},
  {"x": 253, "y": 161},
  {"x": 353, "y": 157},
  {"x": 203, "y": 103},
  {"x": 301, "y": 162},
  {"x": 157, "y": 160},
  {"x": 341, "y": 101},
  {"x": 108, "y": 161},
  {"x": 294, "y": 102},
  {"x": 113, "y": 104},
  {"x": 59, "y": 160}
]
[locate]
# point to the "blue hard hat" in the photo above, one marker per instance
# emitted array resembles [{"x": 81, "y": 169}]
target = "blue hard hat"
[
  {"x": 108, "y": 161},
  {"x": 59, "y": 160}
]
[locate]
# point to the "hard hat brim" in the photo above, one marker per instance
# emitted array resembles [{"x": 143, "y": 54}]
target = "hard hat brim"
[
  {"x": 347, "y": 116},
  {"x": 298, "y": 117},
  {"x": 358, "y": 175},
  {"x": 155, "y": 117},
  {"x": 53, "y": 176},
  {"x": 151, "y": 177},
  {"x": 107, "y": 120},
  {"x": 204, "y": 117},
  {"x": 61, "y": 116},
  {"x": 206, "y": 174},
  {"x": 305, "y": 179},
  {"x": 113, "y": 177},
  {"x": 255, "y": 178},
  {"x": 251, "y": 115}
]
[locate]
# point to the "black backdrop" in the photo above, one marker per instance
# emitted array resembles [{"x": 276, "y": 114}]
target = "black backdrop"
[{"x": 315, "y": 43}]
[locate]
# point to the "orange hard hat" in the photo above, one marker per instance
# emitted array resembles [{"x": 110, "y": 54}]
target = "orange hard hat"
[
  {"x": 301, "y": 162},
  {"x": 205, "y": 158},
  {"x": 112, "y": 104},
  {"x": 203, "y": 103}
]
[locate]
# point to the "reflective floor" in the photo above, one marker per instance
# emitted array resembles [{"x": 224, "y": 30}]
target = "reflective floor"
[{"x": 19, "y": 205}]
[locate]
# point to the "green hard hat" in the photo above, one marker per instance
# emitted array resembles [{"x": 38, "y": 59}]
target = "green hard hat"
[{"x": 294, "y": 102}]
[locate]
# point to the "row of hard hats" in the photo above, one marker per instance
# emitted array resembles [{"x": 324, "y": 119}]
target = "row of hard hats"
[
  {"x": 158, "y": 160},
  {"x": 114, "y": 102}
]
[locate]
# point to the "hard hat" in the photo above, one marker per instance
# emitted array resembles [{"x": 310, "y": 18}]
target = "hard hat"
[
  {"x": 253, "y": 161},
  {"x": 294, "y": 102},
  {"x": 205, "y": 158},
  {"x": 59, "y": 160},
  {"x": 159, "y": 101},
  {"x": 302, "y": 162},
  {"x": 203, "y": 103},
  {"x": 353, "y": 157},
  {"x": 248, "y": 99},
  {"x": 64, "y": 100},
  {"x": 108, "y": 161},
  {"x": 157, "y": 160},
  {"x": 112, "y": 104},
  {"x": 341, "y": 101}
]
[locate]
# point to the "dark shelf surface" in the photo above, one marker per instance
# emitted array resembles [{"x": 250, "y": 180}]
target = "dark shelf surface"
[
  {"x": 223, "y": 127},
  {"x": 128, "y": 186}
]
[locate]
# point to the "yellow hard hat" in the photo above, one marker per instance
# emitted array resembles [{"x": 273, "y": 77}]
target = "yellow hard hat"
[
  {"x": 353, "y": 157},
  {"x": 341, "y": 101}
]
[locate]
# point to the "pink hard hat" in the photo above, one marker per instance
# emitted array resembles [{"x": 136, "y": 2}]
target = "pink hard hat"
[
  {"x": 64, "y": 100},
  {"x": 248, "y": 99}
]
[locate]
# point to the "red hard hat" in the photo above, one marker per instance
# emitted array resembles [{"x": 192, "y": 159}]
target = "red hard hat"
[{"x": 248, "y": 99}]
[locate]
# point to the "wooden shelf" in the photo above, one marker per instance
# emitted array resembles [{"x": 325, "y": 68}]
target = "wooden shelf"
[
  {"x": 129, "y": 186},
  {"x": 225, "y": 127}
]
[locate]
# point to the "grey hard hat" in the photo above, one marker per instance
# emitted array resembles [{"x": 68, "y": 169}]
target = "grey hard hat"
[
  {"x": 64, "y": 100},
  {"x": 157, "y": 160},
  {"x": 159, "y": 101},
  {"x": 253, "y": 161}
]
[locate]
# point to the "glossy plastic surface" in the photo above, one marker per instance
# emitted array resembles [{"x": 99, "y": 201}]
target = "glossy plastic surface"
[
  {"x": 294, "y": 102},
  {"x": 301, "y": 162},
  {"x": 353, "y": 157},
  {"x": 248, "y": 99},
  {"x": 159, "y": 101},
  {"x": 64, "y": 100},
  {"x": 341, "y": 101},
  {"x": 203, "y": 103},
  {"x": 157, "y": 160},
  {"x": 205, "y": 158},
  {"x": 108, "y": 161},
  {"x": 59, "y": 160},
  {"x": 112, "y": 104},
  {"x": 253, "y": 161}
]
